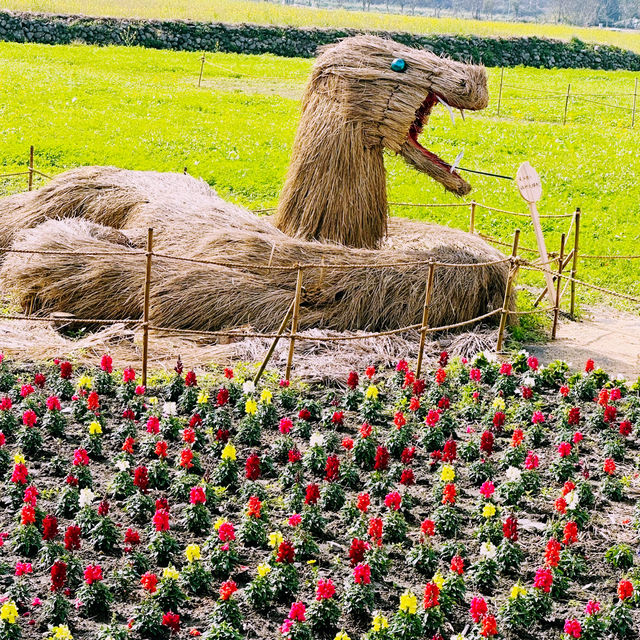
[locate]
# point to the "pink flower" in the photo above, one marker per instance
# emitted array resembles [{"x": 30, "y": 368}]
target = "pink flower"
[
  {"x": 475, "y": 375},
  {"x": 53, "y": 403},
  {"x": 197, "y": 495},
  {"x": 532, "y": 363},
  {"x": 543, "y": 579},
  {"x": 572, "y": 628},
  {"x": 478, "y": 609},
  {"x": 295, "y": 520},
  {"x": 226, "y": 532},
  {"x": 128, "y": 375},
  {"x": 29, "y": 418},
  {"x": 362, "y": 574},
  {"x": 537, "y": 418},
  {"x": 92, "y": 573},
  {"x": 285, "y": 425},
  {"x": 487, "y": 489},
  {"x": 506, "y": 369},
  {"x": 564, "y": 449},
  {"x": 326, "y": 589},
  {"x": 297, "y": 612},
  {"x": 393, "y": 500},
  {"x": 592, "y": 608},
  {"x": 532, "y": 461}
]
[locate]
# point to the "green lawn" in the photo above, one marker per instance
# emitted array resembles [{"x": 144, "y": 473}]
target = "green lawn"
[
  {"x": 142, "y": 109},
  {"x": 270, "y": 13}
]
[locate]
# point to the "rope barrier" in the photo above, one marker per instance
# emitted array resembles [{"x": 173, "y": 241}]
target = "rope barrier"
[
  {"x": 18, "y": 173},
  {"x": 93, "y": 254},
  {"x": 614, "y": 257},
  {"x": 524, "y": 215},
  {"x": 65, "y": 320}
]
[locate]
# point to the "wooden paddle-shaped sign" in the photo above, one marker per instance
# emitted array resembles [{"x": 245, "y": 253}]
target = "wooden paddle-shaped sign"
[{"x": 530, "y": 188}]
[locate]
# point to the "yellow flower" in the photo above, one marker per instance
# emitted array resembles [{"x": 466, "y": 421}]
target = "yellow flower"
[
  {"x": 438, "y": 580},
  {"x": 517, "y": 591},
  {"x": 265, "y": 396},
  {"x": 379, "y": 622},
  {"x": 229, "y": 452},
  {"x": 372, "y": 392},
  {"x": 218, "y": 523},
  {"x": 203, "y": 397},
  {"x": 95, "y": 429},
  {"x": 447, "y": 474},
  {"x": 263, "y": 570},
  {"x": 250, "y": 406},
  {"x": 408, "y": 602},
  {"x": 84, "y": 382},
  {"x": 192, "y": 552},
  {"x": 152, "y": 400},
  {"x": 170, "y": 573},
  {"x": 9, "y": 612},
  {"x": 19, "y": 459},
  {"x": 488, "y": 511},
  {"x": 275, "y": 538},
  {"x": 341, "y": 635},
  {"x": 61, "y": 632},
  {"x": 499, "y": 404}
]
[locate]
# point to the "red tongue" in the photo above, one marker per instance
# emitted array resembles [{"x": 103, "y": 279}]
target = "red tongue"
[{"x": 432, "y": 156}]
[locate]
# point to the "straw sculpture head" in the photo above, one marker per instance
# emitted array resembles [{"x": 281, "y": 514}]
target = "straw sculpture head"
[{"x": 366, "y": 94}]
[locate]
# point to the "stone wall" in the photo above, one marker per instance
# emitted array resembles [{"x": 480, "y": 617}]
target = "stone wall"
[{"x": 302, "y": 42}]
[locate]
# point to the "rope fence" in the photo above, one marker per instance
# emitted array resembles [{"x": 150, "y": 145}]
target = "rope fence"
[{"x": 561, "y": 259}]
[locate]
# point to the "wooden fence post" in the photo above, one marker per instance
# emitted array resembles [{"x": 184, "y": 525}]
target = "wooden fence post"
[
  {"x": 145, "y": 312},
  {"x": 425, "y": 316},
  {"x": 556, "y": 309},
  {"x": 574, "y": 266},
  {"x": 202, "y": 61},
  {"x": 500, "y": 91},
  {"x": 635, "y": 98},
  {"x": 472, "y": 217},
  {"x": 283, "y": 326},
  {"x": 513, "y": 268},
  {"x": 30, "y": 167},
  {"x": 566, "y": 105},
  {"x": 294, "y": 323}
]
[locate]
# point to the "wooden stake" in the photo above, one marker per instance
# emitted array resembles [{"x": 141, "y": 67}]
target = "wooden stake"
[
  {"x": 556, "y": 310},
  {"x": 472, "y": 217},
  {"x": 500, "y": 91},
  {"x": 543, "y": 293},
  {"x": 513, "y": 269},
  {"x": 574, "y": 267},
  {"x": 566, "y": 105},
  {"x": 30, "y": 167},
  {"x": 283, "y": 326},
  {"x": 294, "y": 323},
  {"x": 145, "y": 313},
  {"x": 202, "y": 60},
  {"x": 425, "y": 317},
  {"x": 635, "y": 98}
]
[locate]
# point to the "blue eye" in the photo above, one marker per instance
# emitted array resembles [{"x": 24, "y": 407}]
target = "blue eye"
[{"x": 398, "y": 65}]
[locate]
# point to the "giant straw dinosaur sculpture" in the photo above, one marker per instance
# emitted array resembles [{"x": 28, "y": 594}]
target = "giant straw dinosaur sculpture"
[{"x": 333, "y": 210}]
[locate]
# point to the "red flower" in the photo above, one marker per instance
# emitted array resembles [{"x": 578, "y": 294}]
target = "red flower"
[
  {"x": 312, "y": 494},
  {"x": 499, "y": 419},
  {"x": 506, "y": 369},
  {"x": 537, "y": 417},
  {"x": 375, "y": 531},
  {"x": 486, "y": 442},
  {"x": 161, "y": 520},
  {"x": 304, "y": 414},
  {"x": 365, "y": 430},
  {"x": 58, "y": 575},
  {"x": 532, "y": 363},
  {"x": 6, "y": 404},
  {"x": 171, "y": 620},
  {"x": 449, "y": 493},
  {"x": 625, "y": 589},
  {"x": 66, "y": 370},
  {"x": 370, "y": 372},
  {"x": 431, "y": 593},
  {"x": 253, "y": 507},
  {"x": 517, "y": 437},
  {"x": 402, "y": 366},
  {"x": 285, "y": 425},
  {"x": 325, "y": 590},
  {"x": 407, "y": 478},
  {"x": 186, "y": 456},
  {"x": 128, "y": 375},
  {"x": 428, "y": 528},
  {"x": 475, "y": 374},
  {"x": 433, "y": 417},
  {"x": 226, "y": 532},
  {"x": 589, "y": 366},
  {"x": 527, "y": 392},
  {"x": 141, "y": 478},
  {"x": 294, "y": 456},
  {"x": 20, "y": 474},
  {"x": 625, "y": 428},
  {"x": 31, "y": 495},
  {"x": 570, "y": 533},
  {"x": 27, "y": 515},
  {"x": 357, "y": 550},
  {"x": 190, "y": 379},
  {"x": 347, "y": 443},
  {"x": 573, "y": 628},
  {"x": 532, "y": 461},
  {"x": 227, "y": 589},
  {"x": 286, "y": 552},
  {"x": 131, "y": 537},
  {"x": 149, "y": 582},
  {"x": 457, "y": 565},
  {"x": 128, "y": 445},
  {"x": 489, "y": 627},
  {"x": 39, "y": 380},
  {"x": 228, "y": 373},
  {"x": 552, "y": 553},
  {"x": 418, "y": 387},
  {"x": 478, "y": 609},
  {"x": 353, "y": 380},
  {"x": 382, "y": 459},
  {"x": 93, "y": 401},
  {"x": 443, "y": 359},
  {"x": 363, "y": 502},
  {"x": 106, "y": 363},
  {"x": 161, "y": 449},
  {"x": 362, "y": 574},
  {"x": 29, "y": 418},
  {"x": 189, "y": 435},
  {"x": 510, "y": 529},
  {"x": 80, "y": 458},
  {"x": 337, "y": 417},
  {"x": 564, "y": 449},
  {"x": 414, "y": 404},
  {"x": 408, "y": 452},
  {"x": 332, "y": 468},
  {"x": 197, "y": 495},
  {"x": 92, "y": 573},
  {"x": 609, "y": 466},
  {"x": 53, "y": 403},
  {"x": 610, "y": 413},
  {"x": 222, "y": 397},
  {"x": 72, "y": 538},
  {"x": 252, "y": 467},
  {"x": 49, "y": 527},
  {"x": 441, "y": 376},
  {"x": 399, "y": 420}
]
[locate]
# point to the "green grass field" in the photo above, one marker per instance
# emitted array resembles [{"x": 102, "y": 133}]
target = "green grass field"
[
  {"x": 270, "y": 13},
  {"x": 142, "y": 109}
]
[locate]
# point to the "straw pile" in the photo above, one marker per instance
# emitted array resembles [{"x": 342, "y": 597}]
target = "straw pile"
[
  {"x": 78, "y": 214},
  {"x": 354, "y": 106}
]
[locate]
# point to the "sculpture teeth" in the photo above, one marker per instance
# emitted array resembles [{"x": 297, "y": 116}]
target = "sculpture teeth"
[
  {"x": 448, "y": 108},
  {"x": 454, "y": 166}
]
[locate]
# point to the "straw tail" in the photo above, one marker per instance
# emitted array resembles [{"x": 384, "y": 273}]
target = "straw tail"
[{"x": 335, "y": 189}]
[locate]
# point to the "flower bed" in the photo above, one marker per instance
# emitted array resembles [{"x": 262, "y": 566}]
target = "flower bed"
[{"x": 486, "y": 500}]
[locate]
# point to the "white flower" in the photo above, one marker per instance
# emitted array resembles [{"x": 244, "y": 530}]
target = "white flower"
[
  {"x": 86, "y": 497},
  {"x": 169, "y": 409},
  {"x": 572, "y": 500},
  {"x": 488, "y": 550},
  {"x": 529, "y": 381},
  {"x": 316, "y": 440},
  {"x": 122, "y": 465},
  {"x": 248, "y": 386},
  {"x": 513, "y": 474}
]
